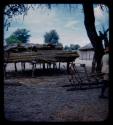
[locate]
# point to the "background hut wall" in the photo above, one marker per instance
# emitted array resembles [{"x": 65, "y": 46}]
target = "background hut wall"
[{"x": 86, "y": 55}]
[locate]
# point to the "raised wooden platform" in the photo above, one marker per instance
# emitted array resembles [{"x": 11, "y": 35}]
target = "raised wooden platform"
[{"x": 41, "y": 56}]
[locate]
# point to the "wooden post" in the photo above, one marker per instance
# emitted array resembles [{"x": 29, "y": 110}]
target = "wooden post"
[
  {"x": 24, "y": 66},
  {"x": 21, "y": 66},
  {"x": 40, "y": 65},
  {"x": 43, "y": 66},
  {"x": 47, "y": 65},
  {"x": 15, "y": 67},
  {"x": 50, "y": 65},
  {"x": 5, "y": 73},
  {"x": 33, "y": 67},
  {"x": 67, "y": 66},
  {"x": 59, "y": 65},
  {"x": 53, "y": 65}
]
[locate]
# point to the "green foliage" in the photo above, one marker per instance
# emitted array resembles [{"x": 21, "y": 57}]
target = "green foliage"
[
  {"x": 12, "y": 39},
  {"x": 51, "y": 37},
  {"x": 19, "y": 36},
  {"x": 22, "y": 35},
  {"x": 72, "y": 47},
  {"x": 67, "y": 48}
]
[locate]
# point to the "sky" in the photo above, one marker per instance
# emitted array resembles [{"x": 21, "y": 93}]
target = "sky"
[{"x": 69, "y": 24}]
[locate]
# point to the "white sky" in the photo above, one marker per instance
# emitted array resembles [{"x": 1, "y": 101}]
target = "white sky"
[{"x": 68, "y": 24}]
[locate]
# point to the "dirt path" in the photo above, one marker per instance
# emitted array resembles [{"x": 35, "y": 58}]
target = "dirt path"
[{"x": 44, "y": 99}]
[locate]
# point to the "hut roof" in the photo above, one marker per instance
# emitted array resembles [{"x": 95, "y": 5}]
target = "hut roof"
[{"x": 87, "y": 47}]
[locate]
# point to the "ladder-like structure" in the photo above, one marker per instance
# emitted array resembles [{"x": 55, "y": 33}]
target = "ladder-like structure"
[{"x": 80, "y": 78}]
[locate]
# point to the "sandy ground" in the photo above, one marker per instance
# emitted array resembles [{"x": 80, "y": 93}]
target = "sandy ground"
[{"x": 44, "y": 99}]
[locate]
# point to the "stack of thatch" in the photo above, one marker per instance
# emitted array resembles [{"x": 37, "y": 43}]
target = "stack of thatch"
[
  {"x": 42, "y": 56},
  {"x": 31, "y": 47},
  {"x": 67, "y": 56}
]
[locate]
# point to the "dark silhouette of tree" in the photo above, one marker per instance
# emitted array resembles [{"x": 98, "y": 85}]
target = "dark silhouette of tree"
[
  {"x": 89, "y": 21},
  {"x": 19, "y": 36},
  {"x": 51, "y": 37}
]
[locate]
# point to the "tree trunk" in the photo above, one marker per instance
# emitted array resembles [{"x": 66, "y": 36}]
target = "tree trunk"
[{"x": 89, "y": 21}]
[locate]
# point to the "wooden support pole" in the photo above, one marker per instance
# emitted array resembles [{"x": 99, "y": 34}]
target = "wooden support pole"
[
  {"x": 24, "y": 66},
  {"x": 50, "y": 65},
  {"x": 43, "y": 66},
  {"x": 53, "y": 65},
  {"x": 47, "y": 65},
  {"x": 5, "y": 73},
  {"x": 15, "y": 67},
  {"x": 40, "y": 65},
  {"x": 59, "y": 65},
  {"x": 33, "y": 67},
  {"x": 67, "y": 66}
]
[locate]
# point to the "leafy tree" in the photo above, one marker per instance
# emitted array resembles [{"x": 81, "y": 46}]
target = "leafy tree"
[
  {"x": 12, "y": 39},
  {"x": 67, "y": 48},
  {"x": 19, "y": 36},
  {"x": 77, "y": 47},
  {"x": 74, "y": 47},
  {"x": 22, "y": 35},
  {"x": 51, "y": 37}
]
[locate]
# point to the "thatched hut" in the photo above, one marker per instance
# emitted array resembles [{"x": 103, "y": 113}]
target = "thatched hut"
[{"x": 86, "y": 52}]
